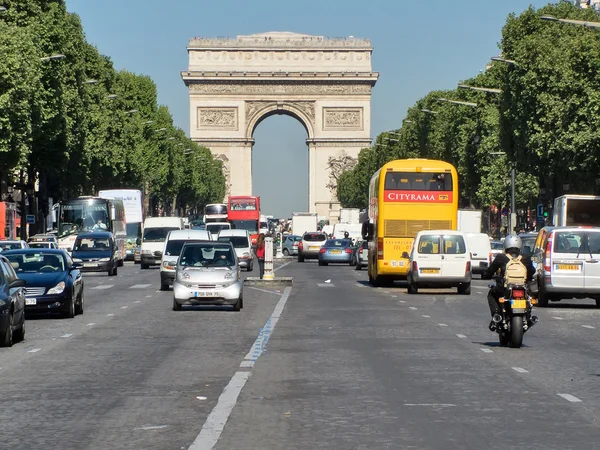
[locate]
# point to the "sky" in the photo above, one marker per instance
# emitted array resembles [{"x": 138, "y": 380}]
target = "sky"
[{"x": 419, "y": 46}]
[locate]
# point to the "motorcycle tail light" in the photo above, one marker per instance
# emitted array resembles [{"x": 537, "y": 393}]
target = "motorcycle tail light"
[{"x": 518, "y": 293}]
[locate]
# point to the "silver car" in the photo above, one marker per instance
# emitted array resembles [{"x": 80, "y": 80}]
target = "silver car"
[
  {"x": 290, "y": 244},
  {"x": 310, "y": 245},
  {"x": 361, "y": 255},
  {"x": 208, "y": 273}
]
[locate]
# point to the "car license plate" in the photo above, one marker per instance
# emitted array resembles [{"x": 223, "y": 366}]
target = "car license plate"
[
  {"x": 430, "y": 270},
  {"x": 314, "y": 247},
  {"x": 90, "y": 265},
  {"x": 31, "y": 301},
  {"x": 567, "y": 267},
  {"x": 518, "y": 304},
  {"x": 336, "y": 252},
  {"x": 206, "y": 294}
]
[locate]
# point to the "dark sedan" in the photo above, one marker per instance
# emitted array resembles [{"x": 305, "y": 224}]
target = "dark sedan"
[
  {"x": 54, "y": 282},
  {"x": 12, "y": 305},
  {"x": 96, "y": 252},
  {"x": 336, "y": 251}
]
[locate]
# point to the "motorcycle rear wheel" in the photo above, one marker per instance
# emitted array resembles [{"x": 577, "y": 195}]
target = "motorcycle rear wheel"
[{"x": 516, "y": 331}]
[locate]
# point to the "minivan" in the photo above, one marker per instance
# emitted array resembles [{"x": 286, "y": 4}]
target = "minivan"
[
  {"x": 156, "y": 230},
  {"x": 173, "y": 245},
  {"x": 96, "y": 252},
  {"x": 440, "y": 259},
  {"x": 241, "y": 243},
  {"x": 567, "y": 261},
  {"x": 480, "y": 248}
]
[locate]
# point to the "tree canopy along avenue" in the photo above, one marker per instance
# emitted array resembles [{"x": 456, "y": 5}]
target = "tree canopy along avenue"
[
  {"x": 72, "y": 124},
  {"x": 534, "y": 108}
]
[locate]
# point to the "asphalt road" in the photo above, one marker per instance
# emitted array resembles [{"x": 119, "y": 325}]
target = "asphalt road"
[{"x": 330, "y": 363}]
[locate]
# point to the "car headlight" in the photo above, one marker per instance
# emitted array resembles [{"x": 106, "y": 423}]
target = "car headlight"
[
  {"x": 169, "y": 264},
  {"x": 230, "y": 275},
  {"x": 76, "y": 260},
  {"x": 104, "y": 259},
  {"x": 58, "y": 289},
  {"x": 184, "y": 275},
  {"x": 146, "y": 252},
  {"x": 2, "y": 302}
]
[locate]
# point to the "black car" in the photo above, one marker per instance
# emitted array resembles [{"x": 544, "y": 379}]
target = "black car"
[
  {"x": 12, "y": 305},
  {"x": 96, "y": 252},
  {"x": 54, "y": 282}
]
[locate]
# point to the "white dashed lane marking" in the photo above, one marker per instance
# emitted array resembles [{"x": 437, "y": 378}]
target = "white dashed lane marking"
[
  {"x": 570, "y": 398},
  {"x": 401, "y": 301},
  {"x": 124, "y": 307},
  {"x": 109, "y": 315},
  {"x": 34, "y": 350},
  {"x": 426, "y": 316},
  {"x": 91, "y": 324},
  {"x": 588, "y": 326},
  {"x": 487, "y": 350},
  {"x": 103, "y": 286},
  {"x": 558, "y": 318},
  {"x": 325, "y": 285},
  {"x": 413, "y": 308},
  {"x": 520, "y": 370},
  {"x": 148, "y": 296},
  {"x": 140, "y": 286},
  {"x": 68, "y": 335},
  {"x": 461, "y": 336},
  {"x": 138, "y": 301},
  {"x": 442, "y": 325}
]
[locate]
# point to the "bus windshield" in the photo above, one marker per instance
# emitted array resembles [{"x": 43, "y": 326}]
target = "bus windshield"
[
  {"x": 83, "y": 215},
  {"x": 220, "y": 209},
  {"x": 240, "y": 204},
  {"x": 250, "y": 225}
]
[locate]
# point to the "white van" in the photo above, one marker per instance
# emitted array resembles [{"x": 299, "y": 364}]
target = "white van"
[
  {"x": 216, "y": 227},
  {"x": 440, "y": 259},
  {"x": 354, "y": 230},
  {"x": 242, "y": 243},
  {"x": 153, "y": 240},
  {"x": 172, "y": 249},
  {"x": 480, "y": 248}
]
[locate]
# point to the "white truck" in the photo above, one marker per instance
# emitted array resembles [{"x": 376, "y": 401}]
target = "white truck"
[
  {"x": 303, "y": 222},
  {"x": 469, "y": 220},
  {"x": 349, "y": 215},
  {"x": 576, "y": 210}
]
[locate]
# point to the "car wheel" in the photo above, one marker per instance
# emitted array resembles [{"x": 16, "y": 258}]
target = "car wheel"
[
  {"x": 176, "y": 306},
  {"x": 145, "y": 266},
  {"x": 358, "y": 266},
  {"x": 164, "y": 286},
  {"x": 300, "y": 258},
  {"x": 598, "y": 302},
  {"x": 19, "y": 335},
  {"x": 238, "y": 305},
  {"x": 79, "y": 306},
  {"x": 70, "y": 313},
  {"x": 7, "y": 339},
  {"x": 542, "y": 297},
  {"x": 286, "y": 252},
  {"x": 464, "y": 289}
]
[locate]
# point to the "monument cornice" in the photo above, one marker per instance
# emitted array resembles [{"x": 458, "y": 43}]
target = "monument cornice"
[
  {"x": 191, "y": 76},
  {"x": 339, "y": 142},
  {"x": 280, "y": 40}
]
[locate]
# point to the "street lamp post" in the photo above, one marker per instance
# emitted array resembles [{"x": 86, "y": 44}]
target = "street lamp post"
[
  {"x": 429, "y": 111},
  {"x": 583, "y": 23},
  {"x": 48, "y": 58},
  {"x": 480, "y": 89},
  {"x": 457, "y": 102},
  {"x": 504, "y": 60},
  {"x": 513, "y": 207},
  {"x": 2, "y": 9}
]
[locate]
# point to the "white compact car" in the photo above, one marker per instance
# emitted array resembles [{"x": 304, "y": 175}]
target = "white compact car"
[
  {"x": 208, "y": 273},
  {"x": 440, "y": 259},
  {"x": 172, "y": 249},
  {"x": 241, "y": 243}
]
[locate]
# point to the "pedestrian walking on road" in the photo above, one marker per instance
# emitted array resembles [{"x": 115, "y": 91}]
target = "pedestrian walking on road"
[{"x": 260, "y": 254}]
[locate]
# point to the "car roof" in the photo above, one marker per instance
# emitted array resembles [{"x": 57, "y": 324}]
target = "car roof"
[
  {"x": 95, "y": 234},
  {"x": 188, "y": 234},
  {"x": 206, "y": 241},
  {"x": 50, "y": 251},
  {"x": 11, "y": 241},
  {"x": 572, "y": 228},
  {"x": 233, "y": 232},
  {"x": 452, "y": 232}
]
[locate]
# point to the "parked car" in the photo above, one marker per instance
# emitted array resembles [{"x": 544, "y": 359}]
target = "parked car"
[
  {"x": 361, "y": 254},
  {"x": 54, "y": 281},
  {"x": 96, "y": 252},
  {"x": 567, "y": 261},
  {"x": 11, "y": 245},
  {"x": 12, "y": 305},
  {"x": 440, "y": 259},
  {"x": 310, "y": 245},
  {"x": 242, "y": 244},
  {"x": 170, "y": 254},
  {"x": 336, "y": 251},
  {"x": 208, "y": 273},
  {"x": 290, "y": 244},
  {"x": 480, "y": 248}
]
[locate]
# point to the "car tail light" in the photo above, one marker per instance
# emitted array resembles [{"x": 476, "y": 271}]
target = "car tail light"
[
  {"x": 300, "y": 246},
  {"x": 415, "y": 266},
  {"x": 491, "y": 257},
  {"x": 468, "y": 268},
  {"x": 379, "y": 248},
  {"x": 548, "y": 253},
  {"x": 348, "y": 250},
  {"x": 361, "y": 251},
  {"x": 322, "y": 250},
  {"x": 518, "y": 293}
]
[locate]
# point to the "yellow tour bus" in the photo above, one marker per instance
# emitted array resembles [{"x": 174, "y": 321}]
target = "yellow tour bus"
[{"x": 405, "y": 197}]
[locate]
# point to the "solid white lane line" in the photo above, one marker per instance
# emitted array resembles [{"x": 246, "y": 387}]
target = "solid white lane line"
[
  {"x": 557, "y": 318},
  {"x": 217, "y": 419},
  {"x": 462, "y": 336},
  {"x": 520, "y": 370},
  {"x": 34, "y": 350},
  {"x": 570, "y": 398},
  {"x": 91, "y": 324},
  {"x": 442, "y": 325},
  {"x": 486, "y": 350},
  {"x": 124, "y": 307},
  {"x": 426, "y": 316},
  {"x": 430, "y": 404},
  {"x": 588, "y": 326},
  {"x": 140, "y": 286},
  {"x": 104, "y": 286},
  {"x": 266, "y": 291},
  {"x": 68, "y": 335},
  {"x": 413, "y": 308}
]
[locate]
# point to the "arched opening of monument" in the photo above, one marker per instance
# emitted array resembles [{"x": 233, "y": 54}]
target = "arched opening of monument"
[{"x": 280, "y": 165}]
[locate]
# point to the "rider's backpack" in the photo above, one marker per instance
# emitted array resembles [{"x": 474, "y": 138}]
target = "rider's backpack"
[{"x": 515, "y": 272}]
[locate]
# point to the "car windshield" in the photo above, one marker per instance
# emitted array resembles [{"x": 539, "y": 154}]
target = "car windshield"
[
  {"x": 237, "y": 241},
  {"x": 207, "y": 255},
  {"x": 37, "y": 262},
  {"x": 174, "y": 247},
  {"x": 158, "y": 234},
  {"x": 10, "y": 245},
  {"x": 39, "y": 244},
  {"x": 314, "y": 237},
  {"x": 341, "y": 243},
  {"x": 497, "y": 245},
  {"x": 91, "y": 245}
]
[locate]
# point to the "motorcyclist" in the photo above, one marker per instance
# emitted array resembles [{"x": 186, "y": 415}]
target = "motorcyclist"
[{"x": 512, "y": 247}]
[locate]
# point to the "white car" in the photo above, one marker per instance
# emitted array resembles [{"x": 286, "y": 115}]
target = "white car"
[
  {"x": 13, "y": 245},
  {"x": 440, "y": 259},
  {"x": 173, "y": 245},
  {"x": 242, "y": 244}
]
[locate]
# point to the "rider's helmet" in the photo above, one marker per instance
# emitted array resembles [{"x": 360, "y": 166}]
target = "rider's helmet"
[
  {"x": 513, "y": 244},
  {"x": 346, "y": 234}
]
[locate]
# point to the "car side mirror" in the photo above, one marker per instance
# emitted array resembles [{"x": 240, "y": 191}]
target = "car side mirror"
[
  {"x": 76, "y": 266},
  {"x": 138, "y": 241},
  {"x": 17, "y": 283},
  {"x": 405, "y": 255},
  {"x": 69, "y": 249}
]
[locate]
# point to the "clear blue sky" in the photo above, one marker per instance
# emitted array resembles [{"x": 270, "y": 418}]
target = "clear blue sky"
[{"x": 419, "y": 46}]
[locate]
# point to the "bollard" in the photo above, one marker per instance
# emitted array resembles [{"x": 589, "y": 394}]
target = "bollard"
[
  {"x": 280, "y": 247},
  {"x": 269, "y": 274}
]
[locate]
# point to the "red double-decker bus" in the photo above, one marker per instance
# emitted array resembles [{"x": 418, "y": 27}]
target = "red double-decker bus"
[{"x": 243, "y": 213}]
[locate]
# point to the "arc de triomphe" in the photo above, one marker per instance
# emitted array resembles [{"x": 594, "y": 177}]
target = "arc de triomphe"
[{"x": 325, "y": 83}]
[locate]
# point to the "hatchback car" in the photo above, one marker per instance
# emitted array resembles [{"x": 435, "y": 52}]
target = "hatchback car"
[
  {"x": 290, "y": 244},
  {"x": 336, "y": 251},
  {"x": 96, "y": 252},
  {"x": 173, "y": 245},
  {"x": 40, "y": 244},
  {"x": 361, "y": 254},
  {"x": 567, "y": 261},
  {"x": 440, "y": 259},
  {"x": 310, "y": 245},
  {"x": 54, "y": 282},
  {"x": 12, "y": 245},
  {"x": 12, "y": 305},
  {"x": 208, "y": 273}
]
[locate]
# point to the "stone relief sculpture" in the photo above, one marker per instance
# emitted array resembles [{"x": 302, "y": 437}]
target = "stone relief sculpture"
[
  {"x": 280, "y": 88},
  {"x": 217, "y": 118},
  {"x": 343, "y": 118},
  {"x": 337, "y": 165}
]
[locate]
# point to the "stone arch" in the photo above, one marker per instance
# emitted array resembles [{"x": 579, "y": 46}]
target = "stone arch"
[{"x": 235, "y": 84}]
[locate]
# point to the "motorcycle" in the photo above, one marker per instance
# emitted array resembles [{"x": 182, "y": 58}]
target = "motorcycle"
[{"x": 515, "y": 317}]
